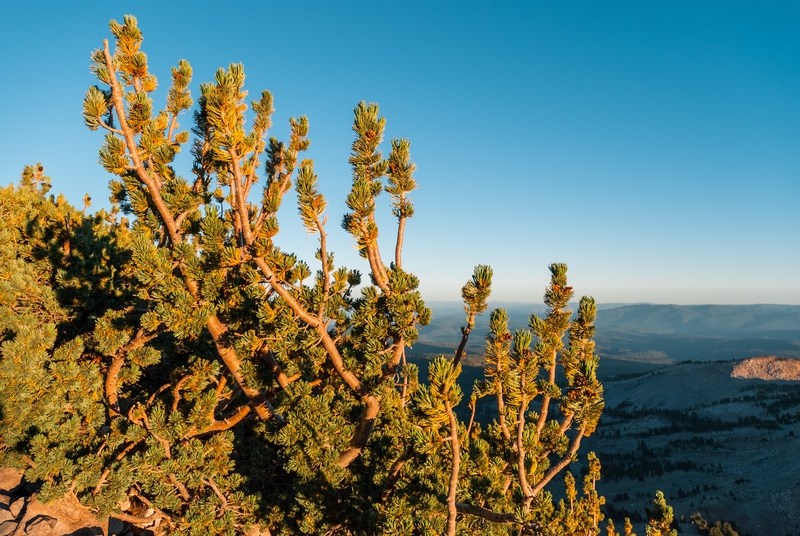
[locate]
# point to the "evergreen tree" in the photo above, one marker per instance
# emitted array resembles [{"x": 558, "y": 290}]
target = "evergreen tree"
[
  {"x": 719, "y": 528},
  {"x": 629, "y": 528},
  {"x": 168, "y": 364},
  {"x": 660, "y": 517}
]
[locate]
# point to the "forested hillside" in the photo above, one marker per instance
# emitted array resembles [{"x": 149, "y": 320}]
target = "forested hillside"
[{"x": 707, "y": 438}]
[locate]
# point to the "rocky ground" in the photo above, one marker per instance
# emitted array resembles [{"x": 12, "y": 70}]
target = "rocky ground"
[
  {"x": 718, "y": 438},
  {"x": 21, "y": 514},
  {"x": 768, "y": 368}
]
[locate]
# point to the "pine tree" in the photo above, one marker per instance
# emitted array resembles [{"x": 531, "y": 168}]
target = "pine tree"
[
  {"x": 629, "y": 528},
  {"x": 660, "y": 517},
  {"x": 167, "y": 363}
]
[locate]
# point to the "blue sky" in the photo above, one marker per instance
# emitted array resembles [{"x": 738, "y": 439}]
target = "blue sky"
[{"x": 654, "y": 147}]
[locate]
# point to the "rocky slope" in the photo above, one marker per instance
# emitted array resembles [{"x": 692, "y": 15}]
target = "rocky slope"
[{"x": 768, "y": 368}]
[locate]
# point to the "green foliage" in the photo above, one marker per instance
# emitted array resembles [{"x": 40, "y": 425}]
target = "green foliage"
[
  {"x": 660, "y": 517},
  {"x": 179, "y": 367},
  {"x": 719, "y": 528}
]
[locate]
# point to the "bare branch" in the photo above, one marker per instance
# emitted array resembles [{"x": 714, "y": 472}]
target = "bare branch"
[
  {"x": 218, "y": 493},
  {"x": 108, "y": 127},
  {"x": 117, "y": 458},
  {"x": 394, "y": 472},
  {"x": 326, "y": 276},
  {"x": 473, "y": 403},
  {"x": 265, "y": 352},
  {"x": 398, "y": 248},
  {"x": 451, "y": 490},
  {"x": 465, "y": 331},
  {"x": 566, "y": 460},
  {"x": 523, "y": 473},
  {"x": 488, "y": 515},
  {"x": 182, "y": 491},
  {"x": 173, "y": 123},
  {"x": 372, "y": 406},
  {"x": 546, "y": 398},
  {"x": 160, "y": 390},
  {"x": 112, "y": 375},
  {"x": 176, "y": 391},
  {"x": 501, "y": 411},
  {"x": 225, "y": 424}
]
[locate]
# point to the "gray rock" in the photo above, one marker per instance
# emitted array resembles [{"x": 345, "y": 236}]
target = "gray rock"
[
  {"x": 7, "y": 527},
  {"x": 116, "y": 526},
  {"x": 41, "y": 525},
  {"x": 88, "y": 531},
  {"x": 17, "y": 506}
]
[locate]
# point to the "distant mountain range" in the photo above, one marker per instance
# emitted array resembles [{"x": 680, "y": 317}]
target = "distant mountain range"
[
  {"x": 737, "y": 321},
  {"x": 649, "y": 333}
]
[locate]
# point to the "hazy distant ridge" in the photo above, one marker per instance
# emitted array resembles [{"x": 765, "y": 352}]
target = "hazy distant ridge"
[
  {"x": 703, "y": 320},
  {"x": 652, "y": 333}
]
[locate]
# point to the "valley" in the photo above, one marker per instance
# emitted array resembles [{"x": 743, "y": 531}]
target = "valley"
[{"x": 677, "y": 418}]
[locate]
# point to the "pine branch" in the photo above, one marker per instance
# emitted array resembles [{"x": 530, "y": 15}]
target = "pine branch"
[
  {"x": 218, "y": 493},
  {"x": 176, "y": 391},
  {"x": 269, "y": 358},
  {"x": 404, "y": 388},
  {"x": 546, "y": 397},
  {"x": 366, "y": 423},
  {"x": 153, "y": 185},
  {"x": 225, "y": 424},
  {"x": 565, "y": 424},
  {"x": 215, "y": 327},
  {"x": 394, "y": 472},
  {"x": 398, "y": 248},
  {"x": 398, "y": 349},
  {"x": 327, "y": 342},
  {"x": 226, "y": 351},
  {"x": 521, "y": 469},
  {"x": 465, "y": 331},
  {"x": 488, "y": 515},
  {"x": 558, "y": 467},
  {"x": 474, "y": 293},
  {"x": 182, "y": 491},
  {"x": 117, "y": 458},
  {"x": 164, "y": 443},
  {"x": 451, "y": 491},
  {"x": 501, "y": 411},
  {"x": 112, "y": 375}
]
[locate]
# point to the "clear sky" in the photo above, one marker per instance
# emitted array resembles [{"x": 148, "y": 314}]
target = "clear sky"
[{"x": 652, "y": 146}]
